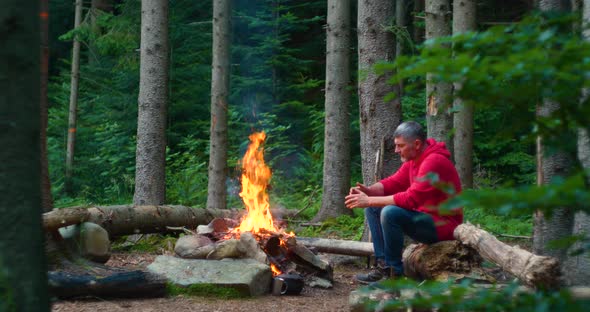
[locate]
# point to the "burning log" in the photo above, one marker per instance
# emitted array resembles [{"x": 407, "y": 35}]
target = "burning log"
[
  {"x": 533, "y": 270},
  {"x": 130, "y": 219}
]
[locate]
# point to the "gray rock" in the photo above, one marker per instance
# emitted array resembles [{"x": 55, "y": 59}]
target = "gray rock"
[
  {"x": 226, "y": 249},
  {"x": 89, "y": 240},
  {"x": 193, "y": 247},
  {"x": 204, "y": 229},
  {"x": 251, "y": 249},
  {"x": 248, "y": 276}
]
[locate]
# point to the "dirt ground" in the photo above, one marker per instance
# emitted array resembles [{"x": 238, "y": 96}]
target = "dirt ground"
[{"x": 311, "y": 299}]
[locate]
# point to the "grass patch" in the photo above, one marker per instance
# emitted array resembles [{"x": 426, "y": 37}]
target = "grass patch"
[
  {"x": 497, "y": 223},
  {"x": 154, "y": 243},
  {"x": 205, "y": 290},
  {"x": 343, "y": 227}
]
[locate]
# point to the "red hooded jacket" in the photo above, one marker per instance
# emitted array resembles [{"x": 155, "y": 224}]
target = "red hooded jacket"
[{"x": 412, "y": 190}]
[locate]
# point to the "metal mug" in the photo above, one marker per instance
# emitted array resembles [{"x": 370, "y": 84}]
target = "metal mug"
[{"x": 287, "y": 284}]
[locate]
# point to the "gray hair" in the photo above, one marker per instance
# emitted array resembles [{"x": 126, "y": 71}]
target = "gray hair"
[{"x": 410, "y": 130}]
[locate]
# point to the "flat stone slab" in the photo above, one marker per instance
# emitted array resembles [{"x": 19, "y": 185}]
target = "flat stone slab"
[{"x": 248, "y": 276}]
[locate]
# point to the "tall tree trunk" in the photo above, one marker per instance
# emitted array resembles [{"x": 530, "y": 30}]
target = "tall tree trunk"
[
  {"x": 216, "y": 192},
  {"x": 551, "y": 166},
  {"x": 75, "y": 75},
  {"x": 23, "y": 278},
  {"x": 150, "y": 175},
  {"x": 378, "y": 118},
  {"x": 577, "y": 268},
  {"x": 46, "y": 199},
  {"x": 464, "y": 20},
  {"x": 336, "y": 179},
  {"x": 438, "y": 119}
]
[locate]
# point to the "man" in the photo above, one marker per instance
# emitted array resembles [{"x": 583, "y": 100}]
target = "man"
[{"x": 407, "y": 202}]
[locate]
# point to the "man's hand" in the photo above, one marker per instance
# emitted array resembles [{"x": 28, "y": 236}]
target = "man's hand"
[
  {"x": 359, "y": 188},
  {"x": 356, "y": 199}
]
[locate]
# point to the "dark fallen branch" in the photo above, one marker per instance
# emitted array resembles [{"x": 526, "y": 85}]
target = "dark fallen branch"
[{"x": 131, "y": 284}]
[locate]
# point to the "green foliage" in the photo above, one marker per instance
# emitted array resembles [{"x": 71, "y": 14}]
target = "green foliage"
[
  {"x": 448, "y": 296},
  {"x": 276, "y": 85},
  {"x": 343, "y": 227},
  {"x": 525, "y": 200},
  {"x": 513, "y": 68},
  {"x": 490, "y": 221},
  {"x": 506, "y": 71},
  {"x": 204, "y": 290}
]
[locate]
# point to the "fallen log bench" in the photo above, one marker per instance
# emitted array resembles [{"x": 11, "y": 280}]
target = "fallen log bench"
[{"x": 457, "y": 258}]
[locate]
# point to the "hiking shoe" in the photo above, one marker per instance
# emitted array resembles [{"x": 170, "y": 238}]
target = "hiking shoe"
[{"x": 376, "y": 274}]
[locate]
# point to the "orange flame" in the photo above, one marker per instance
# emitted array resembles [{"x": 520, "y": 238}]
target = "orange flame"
[
  {"x": 275, "y": 270},
  {"x": 255, "y": 178}
]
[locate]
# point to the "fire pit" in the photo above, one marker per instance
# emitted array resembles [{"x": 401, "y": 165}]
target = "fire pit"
[{"x": 257, "y": 236}]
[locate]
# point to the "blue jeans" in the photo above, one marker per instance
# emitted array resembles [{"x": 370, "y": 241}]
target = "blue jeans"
[{"x": 388, "y": 225}]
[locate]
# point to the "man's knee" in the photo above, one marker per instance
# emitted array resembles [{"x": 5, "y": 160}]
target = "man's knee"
[
  {"x": 371, "y": 211},
  {"x": 392, "y": 214}
]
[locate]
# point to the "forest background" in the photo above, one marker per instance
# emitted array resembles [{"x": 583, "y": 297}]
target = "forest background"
[
  {"x": 277, "y": 85},
  {"x": 526, "y": 77}
]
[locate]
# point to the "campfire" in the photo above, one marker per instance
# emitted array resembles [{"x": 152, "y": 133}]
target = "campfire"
[
  {"x": 258, "y": 219},
  {"x": 257, "y": 235}
]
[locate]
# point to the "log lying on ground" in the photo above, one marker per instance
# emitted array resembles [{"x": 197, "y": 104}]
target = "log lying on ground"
[
  {"x": 130, "y": 219},
  {"x": 533, "y": 270},
  {"x": 131, "y": 284},
  {"x": 337, "y": 246},
  {"x": 437, "y": 261}
]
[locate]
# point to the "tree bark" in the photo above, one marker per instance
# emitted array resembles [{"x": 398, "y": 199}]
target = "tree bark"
[
  {"x": 438, "y": 94},
  {"x": 150, "y": 175},
  {"x": 130, "y": 219},
  {"x": 336, "y": 177},
  {"x": 464, "y": 20},
  {"x": 72, "y": 117},
  {"x": 577, "y": 268},
  {"x": 439, "y": 261},
  {"x": 378, "y": 118},
  {"x": 23, "y": 279},
  {"x": 533, "y": 270},
  {"x": 216, "y": 191},
  {"x": 550, "y": 166}
]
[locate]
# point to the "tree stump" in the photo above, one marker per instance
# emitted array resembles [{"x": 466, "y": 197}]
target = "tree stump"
[{"x": 439, "y": 261}]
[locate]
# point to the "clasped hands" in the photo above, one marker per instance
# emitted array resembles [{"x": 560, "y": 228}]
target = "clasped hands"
[{"x": 357, "y": 197}]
